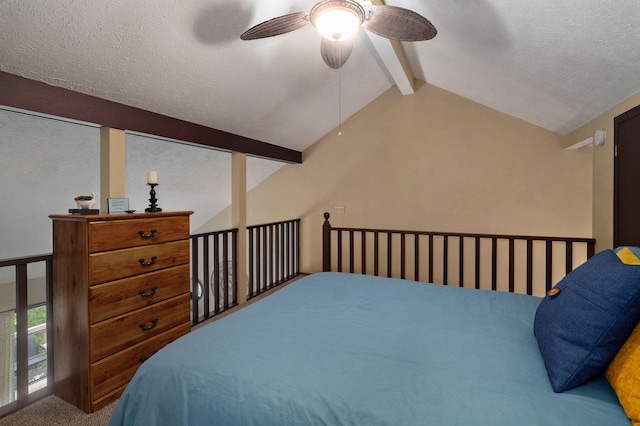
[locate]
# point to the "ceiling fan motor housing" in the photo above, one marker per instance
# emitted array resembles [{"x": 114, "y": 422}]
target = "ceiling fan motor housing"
[{"x": 337, "y": 19}]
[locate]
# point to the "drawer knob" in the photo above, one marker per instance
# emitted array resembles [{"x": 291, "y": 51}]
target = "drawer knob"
[
  {"x": 144, "y": 293},
  {"x": 146, "y": 326},
  {"x": 149, "y": 235},
  {"x": 151, "y": 262}
]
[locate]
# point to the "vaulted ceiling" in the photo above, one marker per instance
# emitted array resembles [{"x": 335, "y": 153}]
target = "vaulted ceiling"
[{"x": 554, "y": 64}]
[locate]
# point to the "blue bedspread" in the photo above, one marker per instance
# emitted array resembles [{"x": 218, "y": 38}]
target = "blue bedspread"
[{"x": 341, "y": 349}]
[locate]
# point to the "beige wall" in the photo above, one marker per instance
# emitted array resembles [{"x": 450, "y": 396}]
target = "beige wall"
[
  {"x": 431, "y": 161},
  {"x": 602, "y": 170}
]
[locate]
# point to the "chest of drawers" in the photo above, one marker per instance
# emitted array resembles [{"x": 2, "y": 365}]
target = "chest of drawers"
[{"x": 120, "y": 293}]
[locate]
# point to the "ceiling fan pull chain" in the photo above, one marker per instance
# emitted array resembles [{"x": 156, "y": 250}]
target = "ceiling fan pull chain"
[{"x": 339, "y": 93}]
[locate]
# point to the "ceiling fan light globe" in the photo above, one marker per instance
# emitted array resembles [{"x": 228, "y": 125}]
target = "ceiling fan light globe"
[
  {"x": 337, "y": 19},
  {"x": 337, "y": 24}
]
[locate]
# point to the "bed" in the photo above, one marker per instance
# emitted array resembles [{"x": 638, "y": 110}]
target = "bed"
[{"x": 345, "y": 349}]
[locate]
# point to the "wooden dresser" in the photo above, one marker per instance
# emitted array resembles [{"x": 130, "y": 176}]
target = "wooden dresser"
[{"x": 120, "y": 293}]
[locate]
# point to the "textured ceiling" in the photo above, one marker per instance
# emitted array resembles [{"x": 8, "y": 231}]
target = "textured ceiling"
[{"x": 555, "y": 64}]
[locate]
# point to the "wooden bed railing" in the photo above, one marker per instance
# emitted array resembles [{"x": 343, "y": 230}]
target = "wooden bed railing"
[{"x": 514, "y": 263}]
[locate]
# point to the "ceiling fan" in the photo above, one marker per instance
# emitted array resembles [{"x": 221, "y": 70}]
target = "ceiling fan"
[{"x": 338, "y": 20}]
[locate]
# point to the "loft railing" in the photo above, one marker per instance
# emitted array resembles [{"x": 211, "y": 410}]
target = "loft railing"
[
  {"x": 214, "y": 273},
  {"x": 514, "y": 263},
  {"x": 27, "y": 352},
  {"x": 273, "y": 255}
]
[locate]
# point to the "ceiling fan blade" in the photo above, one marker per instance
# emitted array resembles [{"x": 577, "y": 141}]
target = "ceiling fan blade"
[
  {"x": 336, "y": 53},
  {"x": 398, "y": 23},
  {"x": 276, "y": 26}
]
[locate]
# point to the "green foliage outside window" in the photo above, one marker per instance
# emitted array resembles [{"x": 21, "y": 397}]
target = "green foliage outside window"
[{"x": 35, "y": 316}]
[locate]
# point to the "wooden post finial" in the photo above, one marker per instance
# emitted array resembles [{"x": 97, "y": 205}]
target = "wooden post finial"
[{"x": 326, "y": 244}]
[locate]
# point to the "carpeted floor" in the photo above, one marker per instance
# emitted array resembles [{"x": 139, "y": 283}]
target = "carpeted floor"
[{"x": 53, "y": 411}]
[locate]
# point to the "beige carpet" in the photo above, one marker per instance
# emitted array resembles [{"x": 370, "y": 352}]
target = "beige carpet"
[{"x": 53, "y": 411}]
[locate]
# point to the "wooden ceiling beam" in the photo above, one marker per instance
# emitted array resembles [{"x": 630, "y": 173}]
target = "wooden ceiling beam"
[
  {"x": 23, "y": 93},
  {"x": 394, "y": 58}
]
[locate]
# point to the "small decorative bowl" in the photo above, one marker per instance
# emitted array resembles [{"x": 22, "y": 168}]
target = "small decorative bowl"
[{"x": 85, "y": 204}]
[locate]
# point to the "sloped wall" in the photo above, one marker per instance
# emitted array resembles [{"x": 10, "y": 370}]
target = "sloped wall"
[{"x": 431, "y": 161}]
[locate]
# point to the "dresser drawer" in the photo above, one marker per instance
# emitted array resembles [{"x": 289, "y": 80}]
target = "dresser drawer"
[
  {"x": 117, "y": 234},
  {"x": 117, "y": 264},
  {"x": 116, "y": 370},
  {"x": 99, "y": 404},
  {"x": 118, "y": 333},
  {"x": 119, "y": 297}
]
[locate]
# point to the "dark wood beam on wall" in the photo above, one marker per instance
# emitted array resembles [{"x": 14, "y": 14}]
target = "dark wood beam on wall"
[{"x": 23, "y": 93}]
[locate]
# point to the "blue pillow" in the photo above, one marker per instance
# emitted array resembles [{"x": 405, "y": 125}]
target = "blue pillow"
[{"x": 584, "y": 320}]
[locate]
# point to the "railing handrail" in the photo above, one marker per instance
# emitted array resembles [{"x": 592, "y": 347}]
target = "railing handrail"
[
  {"x": 272, "y": 223},
  {"x": 14, "y": 261},
  {"x": 469, "y": 235},
  {"x": 203, "y": 234},
  {"x": 210, "y": 233}
]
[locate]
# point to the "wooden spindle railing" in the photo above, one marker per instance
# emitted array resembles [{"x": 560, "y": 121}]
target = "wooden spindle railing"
[
  {"x": 273, "y": 255},
  {"x": 21, "y": 390},
  {"x": 421, "y": 249},
  {"x": 214, "y": 273}
]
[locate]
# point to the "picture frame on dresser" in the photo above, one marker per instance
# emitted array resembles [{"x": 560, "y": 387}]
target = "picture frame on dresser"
[{"x": 117, "y": 205}]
